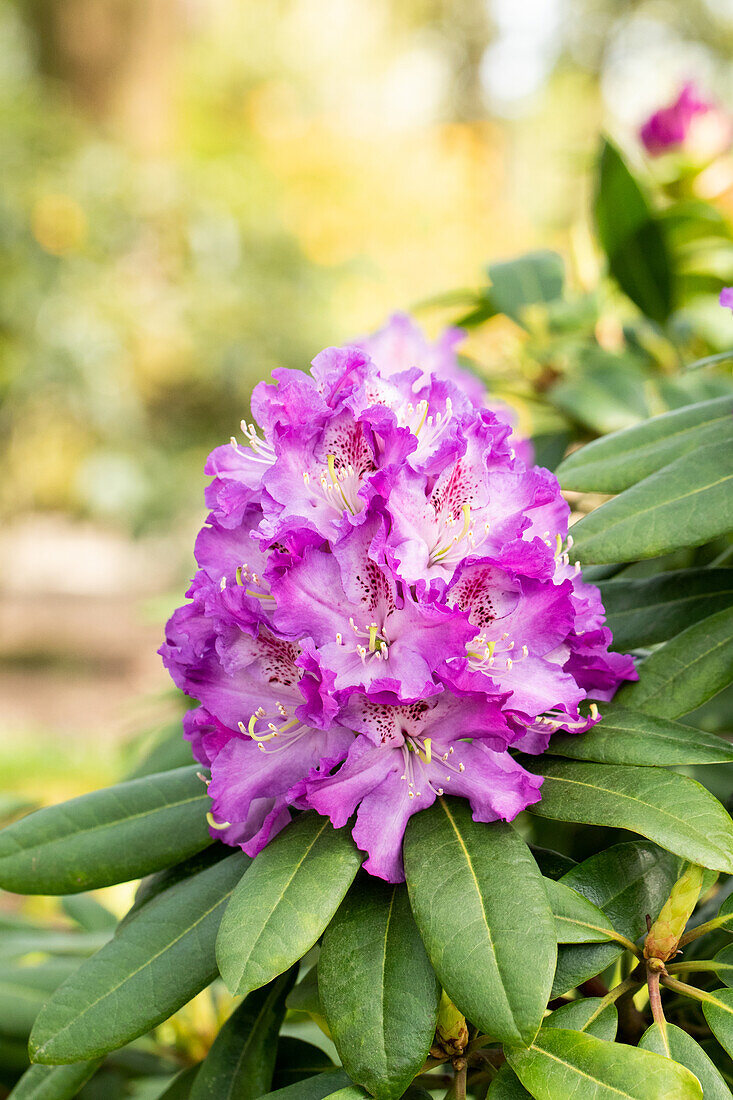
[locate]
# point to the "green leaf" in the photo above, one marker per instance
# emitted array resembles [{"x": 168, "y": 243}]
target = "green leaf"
[
  {"x": 53, "y": 1082},
  {"x": 531, "y": 279},
  {"x": 283, "y": 904},
  {"x": 686, "y": 671},
  {"x": 631, "y": 237},
  {"x": 484, "y": 911},
  {"x": 684, "y": 504},
  {"x": 605, "y": 393},
  {"x": 625, "y": 881},
  {"x": 670, "y": 809},
  {"x": 297, "y": 1060},
  {"x": 181, "y": 1085},
  {"x": 153, "y": 966},
  {"x": 156, "y": 884},
  {"x": 581, "y": 1015},
  {"x": 88, "y": 913},
  {"x": 718, "y": 1011},
  {"x": 570, "y": 1063},
  {"x": 25, "y": 989},
  {"x": 724, "y": 963},
  {"x": 313, "y": 1088},
  {"x": 586, "y": 1015},
  {"x": 577, "y": 920},
  {"x": 683, "y": 1049},
  {"x": 644, "y": 611},
  {"x": 619, "y": 460},
  {"x": 377, "y": 988},
  {"x": 552, "y": 864},
  {"x": 241, "y": 1061},
  {"x": 626, "y": 736},
  {"x": 13, "y": 945},
  {"x": 108, "y": 836}
]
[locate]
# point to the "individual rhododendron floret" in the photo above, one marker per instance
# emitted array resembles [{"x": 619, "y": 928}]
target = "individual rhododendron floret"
[{"x": 385, "y": 609}]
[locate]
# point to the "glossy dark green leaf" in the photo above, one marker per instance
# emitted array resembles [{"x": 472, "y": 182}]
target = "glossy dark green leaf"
[
  {"x": 484, "y": 917},
  {"x": 570, "y": 1063},
  {"x": 680, "y": 1046},
  {"x": 586, "y": 1014},
  {"x": 529, "y": 280},
  {"x": 626, "y": 736},
  {"x": 241, "y": 1061},
  {"x": 297, "y": 1060},
  {"x": 718, "y": 1011},
  {"x": 153, "y": 966},
  {"x": 686, "y": 671},
  {"x": 625, "y": 881},
  {"x": 643, "y": 611},
  {"x": 684, "y": 504},
  {"x": 153, "y": 885},
  {"x": 577, "y": 920},
  {"x": 283, "y": 904},
  {"x": 313, "y": 1088},
  {"x": 675, "y": 812},
  {"x": 619, "y": 460},
  {"x": 631, "y": 237},
  {"x": 108, "y": 836},
  {"x": 377, "y": 988},
  {"x": 53, "y": 1082},
  {"x": 552, "y": 864},
  {"x": 580, "y": 1015}
]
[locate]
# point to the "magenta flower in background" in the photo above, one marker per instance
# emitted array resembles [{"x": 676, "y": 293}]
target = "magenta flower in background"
[
  {"x": 385, "y": 604},
  {"x": 726, "y": 297},
  {"x": 691, "y": 122}
]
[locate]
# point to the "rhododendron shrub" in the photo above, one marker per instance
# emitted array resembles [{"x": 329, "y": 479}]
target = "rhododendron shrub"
[
  {"x": 385, "y": 605},
  {"x": 393, "y": 647}
]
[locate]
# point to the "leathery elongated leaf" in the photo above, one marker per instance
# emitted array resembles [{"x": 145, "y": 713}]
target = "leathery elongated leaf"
[
  {"x": 686, "y": 671},
  {"x": 643, "y": 611},
  {"x": 313, "y": 1088},
  {"x": 109, "y": 836},
  {"x": 577, "y": 920},
  {"x": 631, "y": 237},
  {"x": 676, "y": 1043},
  {"x": 625, "y": 881},
  {"x": 670, "y": 809},
  {"x": 155, "y": 964},
  {"x": 718, "y": 1011},
  {"x": 617, "y": 461},
  {"x": 54, "y": 1082},
  {"x": 684, "y": 504},
  {"x": 582, "y": 1015},
  {"x": 377, "y": 988},
  {"x": 297, "y": 882},
  {"x": 561, "y": 1062},
  {"x": 241, "y": 1061},
  {"x": 626, "y": 736},
  {"x": 485, "y": 919}
]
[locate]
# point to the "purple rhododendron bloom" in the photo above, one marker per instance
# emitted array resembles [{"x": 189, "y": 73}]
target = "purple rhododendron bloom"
[
  {"x": 385, "y": 604},
  {"x": 692, "y": 122},
  {"x": 726, "y": 297}
]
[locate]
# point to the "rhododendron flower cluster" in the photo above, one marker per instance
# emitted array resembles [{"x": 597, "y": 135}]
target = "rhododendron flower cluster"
[{"x": 385, "y": 604}]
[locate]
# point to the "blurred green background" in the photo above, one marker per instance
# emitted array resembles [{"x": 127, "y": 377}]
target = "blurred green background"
[{"x": 196, "y": 191}]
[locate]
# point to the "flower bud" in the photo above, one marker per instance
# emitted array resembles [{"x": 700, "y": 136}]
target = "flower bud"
[
  {"x": 665, "y": 933},
  {"x": 451, "y": 1032}
]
